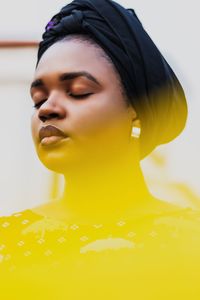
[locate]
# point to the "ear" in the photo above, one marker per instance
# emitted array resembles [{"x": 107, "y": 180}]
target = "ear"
[
  {"x": 132, "y": 112},
  {"x": 134, "y": 118},
  {"x": 136, "y": 123}
]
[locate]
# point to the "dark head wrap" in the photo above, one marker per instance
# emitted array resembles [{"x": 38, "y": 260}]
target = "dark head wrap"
[{"x": 150, "y": 84}]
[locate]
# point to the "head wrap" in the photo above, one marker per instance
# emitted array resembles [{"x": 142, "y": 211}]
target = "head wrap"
[{"x": 150, "y": 84}]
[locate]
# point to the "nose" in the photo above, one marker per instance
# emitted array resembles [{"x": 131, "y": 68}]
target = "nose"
[{"x": 52, "y": 108}]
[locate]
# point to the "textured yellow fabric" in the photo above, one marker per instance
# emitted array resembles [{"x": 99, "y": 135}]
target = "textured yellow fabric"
[{"x": 156, "y": 256}]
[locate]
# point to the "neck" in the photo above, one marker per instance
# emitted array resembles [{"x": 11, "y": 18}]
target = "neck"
[{"x": 104, "y": 192}]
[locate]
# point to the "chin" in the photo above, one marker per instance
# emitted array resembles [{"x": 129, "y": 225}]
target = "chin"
[{"x": 59, "y": 162}]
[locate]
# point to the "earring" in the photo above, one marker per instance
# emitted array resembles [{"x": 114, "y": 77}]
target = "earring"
[{"x": 136, "y": 131}]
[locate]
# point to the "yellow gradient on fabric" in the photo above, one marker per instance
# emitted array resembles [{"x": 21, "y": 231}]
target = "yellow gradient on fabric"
[{"x": 153, "y": 257}]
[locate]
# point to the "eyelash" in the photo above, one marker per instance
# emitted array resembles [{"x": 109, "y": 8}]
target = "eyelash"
[
  {"x": 80, "y": 96},
  {"x": 37, "y": 105}
]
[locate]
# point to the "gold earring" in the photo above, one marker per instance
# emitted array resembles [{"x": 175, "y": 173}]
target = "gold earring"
[{"x": 136, "y": 129}]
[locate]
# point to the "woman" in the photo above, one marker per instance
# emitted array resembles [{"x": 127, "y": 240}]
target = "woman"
[{"x": 104, "y": 98}]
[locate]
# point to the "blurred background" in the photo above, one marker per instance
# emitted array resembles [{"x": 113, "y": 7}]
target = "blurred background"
[{"x": 172, "y": 171}]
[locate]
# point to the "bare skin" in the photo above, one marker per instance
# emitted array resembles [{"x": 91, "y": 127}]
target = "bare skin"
[{"x": 77, "y": 91}]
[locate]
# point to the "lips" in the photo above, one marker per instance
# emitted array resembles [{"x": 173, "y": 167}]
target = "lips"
[{"x": 51, "y": 133}]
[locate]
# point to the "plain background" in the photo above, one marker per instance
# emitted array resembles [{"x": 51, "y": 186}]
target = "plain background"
[{"x": 172, "y": 171}]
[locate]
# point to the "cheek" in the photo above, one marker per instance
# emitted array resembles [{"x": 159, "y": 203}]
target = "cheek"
[{"x": 102, "y": 117}]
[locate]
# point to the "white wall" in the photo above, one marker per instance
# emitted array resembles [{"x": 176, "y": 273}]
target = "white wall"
[{"x": 23, "y": 180}]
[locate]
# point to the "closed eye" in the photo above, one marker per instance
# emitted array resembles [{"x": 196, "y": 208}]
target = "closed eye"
[
  {"x": 37, "y": 105},
  {"x": 82, "y": 96}
]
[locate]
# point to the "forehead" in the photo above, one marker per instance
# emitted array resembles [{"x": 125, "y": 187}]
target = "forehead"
[{"x": 74, "y": 56}]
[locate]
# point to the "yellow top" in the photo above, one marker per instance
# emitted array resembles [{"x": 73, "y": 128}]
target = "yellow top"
[{"x": 156, "y": 256}]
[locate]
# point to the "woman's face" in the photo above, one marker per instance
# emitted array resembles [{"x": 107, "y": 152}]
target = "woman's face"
[{"x": 80, "y": 115}]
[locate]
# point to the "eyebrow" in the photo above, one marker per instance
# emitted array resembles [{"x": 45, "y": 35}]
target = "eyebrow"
[{"x": 67, "y": 76}]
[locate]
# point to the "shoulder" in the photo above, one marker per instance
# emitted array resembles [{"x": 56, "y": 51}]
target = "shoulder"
[
  {"x": 12, "y": 239},
  {"x": 174, "y": 215},
  {"x": 27, "y": 222},
  {"x": 167, "y": 224},
  {"x": 13, "y": 228},
  {"x": 26, "y": 237},
  {"x": 17, "y": 221},
  {"x": 181, "y": 228},
  {"x": 185, "y": 218}
]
